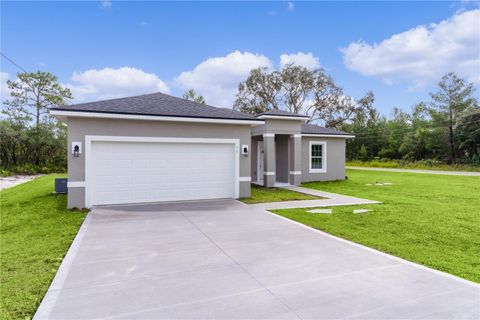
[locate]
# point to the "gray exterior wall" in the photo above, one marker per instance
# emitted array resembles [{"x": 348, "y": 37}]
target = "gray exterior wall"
[
  {"x": 278, "y": 127},
  {"x": 79, "y": 127},
  {"x": 335, "y": 160},
  {"x": 282, "y": 164},
  {"x": 259, "y": 130},
  {"x": 253, "y": 156}
]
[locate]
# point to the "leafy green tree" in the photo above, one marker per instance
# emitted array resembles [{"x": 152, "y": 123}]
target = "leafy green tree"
[
  {"x": 363, "y": 153},
  {"x": 467, "y": 136},
  {"x": 452, "y": 100},
  {"x": 299, "y": 90},
  {"x": 370, "y": 130},
  {"x": 12, "y": 142},
  {"x": 31, "y": 96},
  {"x": 424, "y": 134},
  {"x": 193, "y": 96},
  {"x": 260, "y": 92}
]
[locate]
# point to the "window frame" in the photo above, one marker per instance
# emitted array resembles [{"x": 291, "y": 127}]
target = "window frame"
[{"x": 324, "y": 157}]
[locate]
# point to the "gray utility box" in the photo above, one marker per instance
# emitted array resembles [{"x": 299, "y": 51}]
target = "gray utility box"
[{"x": 61, "y": 185}]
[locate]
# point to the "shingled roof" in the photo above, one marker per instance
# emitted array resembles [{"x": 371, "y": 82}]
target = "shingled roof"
[
  {"x": 314, "y": 129},
  {"x": 158, "y": 104}
]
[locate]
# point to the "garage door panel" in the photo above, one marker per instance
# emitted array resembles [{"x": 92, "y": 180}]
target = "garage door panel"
[{"x": 129, "y": 172}]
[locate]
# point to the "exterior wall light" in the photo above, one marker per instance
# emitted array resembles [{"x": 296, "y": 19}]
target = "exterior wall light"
[
  {"x": 245, "y": 150},
  {"x": 76, "y": 149}
]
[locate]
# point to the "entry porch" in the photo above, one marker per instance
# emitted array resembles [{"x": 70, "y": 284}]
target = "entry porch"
[{"x": 276, "y": 159}]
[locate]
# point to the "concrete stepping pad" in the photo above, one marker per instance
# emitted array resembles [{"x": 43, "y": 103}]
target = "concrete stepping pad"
[
  {"x": 361, "y": 210},
  {"x": 324, "y": 211}
]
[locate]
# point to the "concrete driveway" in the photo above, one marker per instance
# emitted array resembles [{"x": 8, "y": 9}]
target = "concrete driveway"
[{"x": 224, "y": 259}]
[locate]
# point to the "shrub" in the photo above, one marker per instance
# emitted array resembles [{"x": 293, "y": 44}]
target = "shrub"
[{"x": 30, "y": 169}]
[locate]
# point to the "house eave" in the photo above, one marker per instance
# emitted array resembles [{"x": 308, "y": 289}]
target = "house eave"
[
  {"x": 62, "y": 115},
  {"x": 265, "y": 116},
  {"x": 323, "y": 135}
]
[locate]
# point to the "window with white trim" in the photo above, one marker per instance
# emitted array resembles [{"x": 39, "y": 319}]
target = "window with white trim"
[{"x": 318, "y": 156}]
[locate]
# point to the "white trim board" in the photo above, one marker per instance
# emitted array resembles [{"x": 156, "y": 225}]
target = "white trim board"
[
  {"x": 266, "y": 116},
  {"x": 327, "y": 135},
  {"x": 61, "y": 113},
  {"x": 88, "y": 156},
  {"x": 75, "y": 184}
]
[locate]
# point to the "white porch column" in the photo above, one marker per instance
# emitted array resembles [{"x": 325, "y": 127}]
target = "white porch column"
[
  {"x": 269, "y": 161},
  {"x": 295, "y": 173}
]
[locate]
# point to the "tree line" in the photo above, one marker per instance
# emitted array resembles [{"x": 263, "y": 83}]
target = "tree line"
[
  {"x": 31, "y": 141},
  {"x": 445, "y": 129}
]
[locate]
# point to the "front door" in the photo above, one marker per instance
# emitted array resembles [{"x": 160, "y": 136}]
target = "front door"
[{"x": 260, "y": 162}]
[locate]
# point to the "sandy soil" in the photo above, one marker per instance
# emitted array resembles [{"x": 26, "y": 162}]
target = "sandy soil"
[{"x": 11, "y": 181}]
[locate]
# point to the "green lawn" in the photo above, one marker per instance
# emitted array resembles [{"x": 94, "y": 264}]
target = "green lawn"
[
  {"x": 36, "y": 231},
  {"x": 433, "y": 220},
  {"x": 419, "y": 165},
  {"x": 261, "y": 194}
]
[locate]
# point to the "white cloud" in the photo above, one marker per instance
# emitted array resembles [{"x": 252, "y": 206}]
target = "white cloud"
[
  {"x": 307, "y": 60},
  {"x": 144, "y": 23},
  {"x": 106, "y": 4},
  {"x": 290, "y": 6},
  {"x": 111, "y": 83},
  {"x": 4, "y": 91},
  {"x": 217, "y": 78},
  {"x": 423, "y": 54}
]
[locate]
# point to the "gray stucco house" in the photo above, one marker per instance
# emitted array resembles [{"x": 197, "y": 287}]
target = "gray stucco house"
[{"x": 156, "y": 147}]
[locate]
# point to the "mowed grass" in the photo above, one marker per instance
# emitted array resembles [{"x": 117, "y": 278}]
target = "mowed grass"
[
  {"x": 433, "y": 220},
  {"x": 261, "y": 194},
  {"x": 36, "y": 231}
]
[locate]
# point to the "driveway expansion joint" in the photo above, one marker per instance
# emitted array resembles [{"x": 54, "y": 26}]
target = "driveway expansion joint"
[{"x": 242, "y": 267}]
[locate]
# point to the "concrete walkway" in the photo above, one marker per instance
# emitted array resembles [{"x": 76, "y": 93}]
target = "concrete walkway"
[
  {"x": 451, "y": 173},
  {"x": 227, "y": 260},
  {"x": 333, "y": 199}
]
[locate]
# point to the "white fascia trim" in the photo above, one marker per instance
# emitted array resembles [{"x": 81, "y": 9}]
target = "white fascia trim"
[
  {"x": 283, "y": 117},
  {"x": 76, "y": 184},
  {"x": 296, "y": 135},
  {"x": 88, "y": 155},
  {"x": 327, "y": 135},
  {"x": 245, "y": 179},
  {"x": 269, "y": 135},
  {"x": 268, "y": 173},
  {"x": 296, "y": 173},
  {"x": 158, "y": 139},
  {"x": 61, "y": 113},
  {"x": 324, "y": 157}
]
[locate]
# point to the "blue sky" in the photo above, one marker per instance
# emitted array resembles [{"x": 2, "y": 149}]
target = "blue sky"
[{"x": 109, "y": 49}]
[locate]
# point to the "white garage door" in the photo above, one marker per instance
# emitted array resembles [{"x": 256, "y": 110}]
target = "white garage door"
[{"x": 134, "y": 172}]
